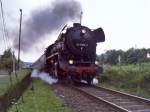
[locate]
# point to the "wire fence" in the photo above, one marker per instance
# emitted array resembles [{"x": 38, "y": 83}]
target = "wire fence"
[{"x": 8, "y": 79}]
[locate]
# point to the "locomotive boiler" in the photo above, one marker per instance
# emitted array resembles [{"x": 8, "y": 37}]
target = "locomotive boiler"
[{"x": 73, "y": 54}]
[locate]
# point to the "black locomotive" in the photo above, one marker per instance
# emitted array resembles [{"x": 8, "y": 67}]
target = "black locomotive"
[{"x": 73, "y": 54}]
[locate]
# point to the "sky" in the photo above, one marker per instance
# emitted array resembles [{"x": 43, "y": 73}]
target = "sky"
[{"x": 126, "y": 23}]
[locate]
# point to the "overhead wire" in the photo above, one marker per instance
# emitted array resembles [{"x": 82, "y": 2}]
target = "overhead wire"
[
  {"x": 5, "y": 38},
  {"x": 5, "y": 31},
  {"x": 2, "y": 33}
]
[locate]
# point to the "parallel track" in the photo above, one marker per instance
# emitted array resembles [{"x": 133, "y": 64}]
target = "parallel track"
[{"x": 121, "y": 102}]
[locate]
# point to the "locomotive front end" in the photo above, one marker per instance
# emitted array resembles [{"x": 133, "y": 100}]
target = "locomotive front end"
[{"x": 80, "y": 42}]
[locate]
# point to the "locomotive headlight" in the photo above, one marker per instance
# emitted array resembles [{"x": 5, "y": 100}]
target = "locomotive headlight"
[
  {"x": 83, "y": 31},
  {"x": 96, "y": 62},
  {"x": 71, "y": 62}
]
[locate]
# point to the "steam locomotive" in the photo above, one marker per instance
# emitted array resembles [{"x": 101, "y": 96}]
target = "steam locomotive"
[{"x": 73, "y": 54}]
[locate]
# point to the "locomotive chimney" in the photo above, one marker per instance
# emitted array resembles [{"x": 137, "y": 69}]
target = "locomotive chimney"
[{"x": 76, "y": 24}]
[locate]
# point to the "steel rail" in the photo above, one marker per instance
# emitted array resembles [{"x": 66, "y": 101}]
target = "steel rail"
[
  {"x": 100, "y": 100},
  {"x": 141, "y": 99}
]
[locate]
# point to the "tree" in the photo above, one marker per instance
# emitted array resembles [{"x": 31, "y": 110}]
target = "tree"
[
  {"x": 6, "y": 60},
  {"x": 131, "y": 56},
  {"x": 112, "y": 56}
]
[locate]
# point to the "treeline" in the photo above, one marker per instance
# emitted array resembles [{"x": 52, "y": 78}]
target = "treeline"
[
  {"x": 131, "y": 56},
  {"x": 6, "y": 60}
]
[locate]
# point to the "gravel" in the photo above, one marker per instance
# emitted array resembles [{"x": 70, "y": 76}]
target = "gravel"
[{"x": 78, "y": 102}]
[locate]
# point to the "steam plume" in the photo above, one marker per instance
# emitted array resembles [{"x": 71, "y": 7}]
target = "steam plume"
[
  {"x": 46, "y": 20},
  {"x": 43, "y": 76}
]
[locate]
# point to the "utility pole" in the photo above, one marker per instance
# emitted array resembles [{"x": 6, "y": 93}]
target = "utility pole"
[
  {"x": 14, "y": 68},
  {"x": 119, "y": 60},
  {"x": 19, "y": 45},
  {"x": 19, "y": 39},
  {"x": 11, "y": 70}
]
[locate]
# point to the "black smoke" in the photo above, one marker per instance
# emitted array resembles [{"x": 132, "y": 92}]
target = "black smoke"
[{"x": 45, "y": 20}]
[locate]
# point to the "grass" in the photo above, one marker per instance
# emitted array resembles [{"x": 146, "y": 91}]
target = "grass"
[
  {"x": 5, "y": 82},
  {"x": 42, "y": 99},
  {"x": 134, "y": 79}
]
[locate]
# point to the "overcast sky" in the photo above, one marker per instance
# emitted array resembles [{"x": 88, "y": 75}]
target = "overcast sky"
[{"x": 126, "y": 23}]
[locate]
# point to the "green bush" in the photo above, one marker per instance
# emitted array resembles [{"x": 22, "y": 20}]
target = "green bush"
[
  {"x": 145, "y": 81},
  {"x": 103, "y": 78},
  {"x": 130, "y": 77}
]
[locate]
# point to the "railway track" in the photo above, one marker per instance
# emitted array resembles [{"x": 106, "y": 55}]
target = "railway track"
[{"x": 121, "y": 102}]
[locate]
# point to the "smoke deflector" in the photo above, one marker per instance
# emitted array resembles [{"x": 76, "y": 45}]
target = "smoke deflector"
[{"x": 99, "y": 35}]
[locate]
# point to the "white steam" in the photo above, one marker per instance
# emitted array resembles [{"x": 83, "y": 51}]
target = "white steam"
[
  {"x": 47, "y": 78},
  {"x": 43, "y": 76},
  {"x": 95, "y": 81}
]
